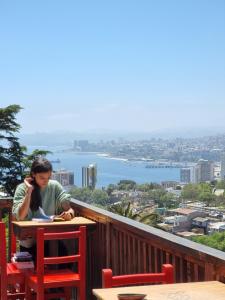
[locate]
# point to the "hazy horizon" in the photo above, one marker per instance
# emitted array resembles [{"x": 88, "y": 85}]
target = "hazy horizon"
[{"x": 67, "y": 138}]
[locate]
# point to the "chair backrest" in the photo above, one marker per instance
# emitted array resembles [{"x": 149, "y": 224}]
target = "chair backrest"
[
  {"x": 3, "y": 261},
  {"x": 108, "y": 280},
  {"x": 79, "y": 257}
]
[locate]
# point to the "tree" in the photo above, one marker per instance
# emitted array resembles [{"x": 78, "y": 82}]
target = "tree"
[
  {"x": 126, "y": 185},
  {"x": 220, "y": 184},
  {"x": 11, "y": 152},
  {"x": 82, "y": 194},
  {"x": 151, "y": 219},
  {"x": 216, "y": 240},
  {"x": 111, "y": 187},
  {"x": 14, "y": 162},
  {"x": 124, "y": 209},
  {"x": 100, "y": 197},
  {"x": 146, "y": 187},
  {"x": 206, "y": 196},
  {"x": 190, "y": 191},
  {"x": 167, "y": 200}
]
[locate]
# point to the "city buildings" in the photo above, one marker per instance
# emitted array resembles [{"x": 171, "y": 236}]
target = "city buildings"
[
  {"x": 81, "y": 145},
  {"x": 66, "y": 178},
  {"x": 185, "y": 175},
  {"x": 203, "y": 171},
  {"x": 222, "y": 172},
  {"x": 89, "y": 176}
]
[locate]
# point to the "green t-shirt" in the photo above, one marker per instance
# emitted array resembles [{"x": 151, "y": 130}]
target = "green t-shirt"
[{"x": 52, "y": 198}]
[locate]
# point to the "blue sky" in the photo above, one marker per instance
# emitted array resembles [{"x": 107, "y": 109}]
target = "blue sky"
[{"x": 123, "y": 65}]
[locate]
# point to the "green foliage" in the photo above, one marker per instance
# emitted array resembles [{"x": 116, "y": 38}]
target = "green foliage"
[
  {"x": 130, "y": 185},
  {"x": 206, "y": 196},
  {"x": 97, "y": 197},
  {"x": 110, "y": 189},
  {"x": 11, "y": 152},
  {"x": 82, "y": 194},
  {"x": 178, "y": 188},
  {"x": 220, "y": 184},
  {"x": 126, "y": 185},
  {"x": 146, "y": 187},
  {"x": 100, "y": 197},
  {"x": 151, "y": 219},
  {"x": 200, "y": 191},
  {"x": 167, "y": 200},
  {"x": 190, "y": 191},
  {"x": 124, "y": 209},
  {"x": 14, "y": 162},
  {"x": 216, "y": 240}
]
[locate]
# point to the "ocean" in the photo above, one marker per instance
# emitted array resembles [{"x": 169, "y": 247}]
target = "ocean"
[{"x": 111, "y": 170}]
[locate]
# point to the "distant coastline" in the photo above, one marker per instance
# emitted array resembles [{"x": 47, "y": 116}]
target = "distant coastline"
[{"x": 151, "y": 163}]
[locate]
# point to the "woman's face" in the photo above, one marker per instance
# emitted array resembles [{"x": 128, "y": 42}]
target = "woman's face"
[{"x": 42, "y": 178}]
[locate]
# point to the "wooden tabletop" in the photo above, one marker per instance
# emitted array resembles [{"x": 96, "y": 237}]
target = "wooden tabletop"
[
  {"x": 209, "y": 290},
  {"x": 28, "y": 228}
]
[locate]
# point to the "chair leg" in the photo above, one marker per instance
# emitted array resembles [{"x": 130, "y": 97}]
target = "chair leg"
[
  {"x": 40, "y": 294},
  {"x": 28, "y": 293},
  {"x": 67, "y": 293},
  {"x": 82, "y": 294},
  {"x": 3, "y": 293}
]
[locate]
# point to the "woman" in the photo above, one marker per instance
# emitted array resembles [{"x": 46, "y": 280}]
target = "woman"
[{"x": 39, "y": 190}]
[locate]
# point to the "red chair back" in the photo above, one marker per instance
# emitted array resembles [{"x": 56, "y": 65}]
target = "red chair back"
[
  {"x": 54, "y": 260},
  {"x": 46, "y": 278},
  {"x": 108, "y": 280}
]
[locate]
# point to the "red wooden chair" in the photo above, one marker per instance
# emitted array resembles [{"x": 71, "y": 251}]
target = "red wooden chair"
[
  {"x": 63, "y": 278},
  {"x": 108, "y": 280},
  {"x": 11, "y": 278}
]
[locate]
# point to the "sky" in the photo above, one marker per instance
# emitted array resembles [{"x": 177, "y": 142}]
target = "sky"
[{"x": 116, "y": 65}]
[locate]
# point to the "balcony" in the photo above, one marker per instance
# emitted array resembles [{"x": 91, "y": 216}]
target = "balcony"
[{"x": 128, "y": 246}]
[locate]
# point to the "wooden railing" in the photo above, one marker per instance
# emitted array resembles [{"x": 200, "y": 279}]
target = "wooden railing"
[{"x": 128, "y": 246}]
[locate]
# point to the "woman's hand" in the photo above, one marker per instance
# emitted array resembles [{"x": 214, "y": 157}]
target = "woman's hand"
[
  {"x": 66, "y": 215},
  {"x": 28, "y": 184}
]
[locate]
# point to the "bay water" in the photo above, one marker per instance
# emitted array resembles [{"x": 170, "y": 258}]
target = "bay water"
[{"x": 110, "y": 170}]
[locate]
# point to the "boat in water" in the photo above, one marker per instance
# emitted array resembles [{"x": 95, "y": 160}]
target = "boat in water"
[{"x": 56, "y": 161}]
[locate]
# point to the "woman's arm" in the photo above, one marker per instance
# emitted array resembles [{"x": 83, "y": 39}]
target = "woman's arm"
[
  {"x": 68, "y": 212},
  {"x": 63, "y": 200},
  {"x": 25, "y": 205}
]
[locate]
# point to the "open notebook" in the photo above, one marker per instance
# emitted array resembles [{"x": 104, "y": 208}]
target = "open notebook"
[{"x": 43, "y": 217}]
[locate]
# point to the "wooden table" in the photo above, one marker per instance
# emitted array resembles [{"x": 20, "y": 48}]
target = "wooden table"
[
  {"x": 208, "y": 290},
  {"x": 23, "y": 229}
]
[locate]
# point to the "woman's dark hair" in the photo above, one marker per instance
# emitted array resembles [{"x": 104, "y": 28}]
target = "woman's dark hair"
[{"x": 39, "y": 165}]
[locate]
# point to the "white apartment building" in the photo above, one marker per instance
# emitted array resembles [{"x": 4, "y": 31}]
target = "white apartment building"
[
  {"x": 66, "y": 178},
  {"x": 203, "y": 171},
  {"x": 89, "y": 176},
  {"x": 185, "y": 175}
]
